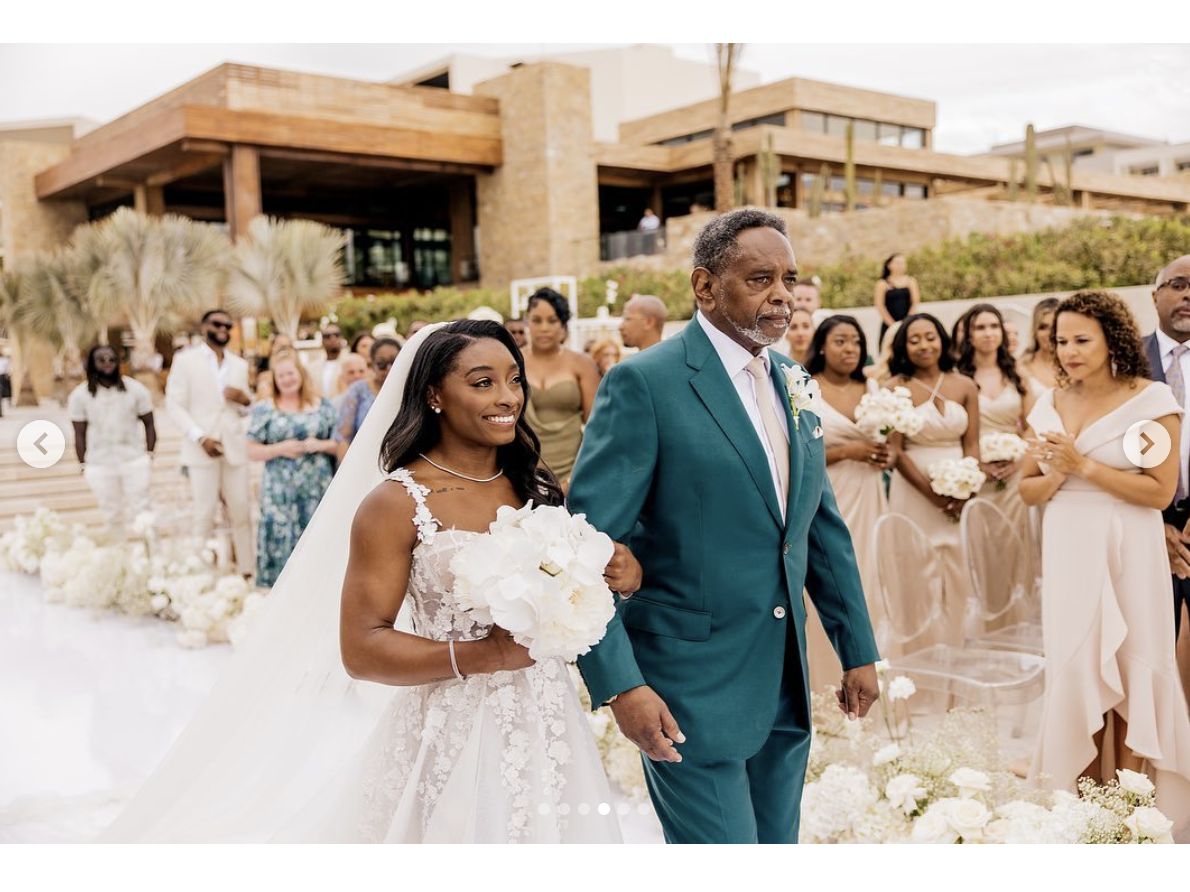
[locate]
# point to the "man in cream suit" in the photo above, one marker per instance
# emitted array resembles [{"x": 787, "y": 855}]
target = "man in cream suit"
[{"x": 207, "y": 396}]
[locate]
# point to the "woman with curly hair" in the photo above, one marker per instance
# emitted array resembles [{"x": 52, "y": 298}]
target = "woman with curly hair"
[
  {"x": 1004, "y": 404},
  {"x": 1108, "y": 626}
]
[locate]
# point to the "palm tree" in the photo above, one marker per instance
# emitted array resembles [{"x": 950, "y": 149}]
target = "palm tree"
[
  {"x": 53, "y": 310},
  {"x": 726, "y": 55},
  {"x": 11, "y": 319},
  {"x": 149, "y": 270},
  {"x": 286, "y": 269}
]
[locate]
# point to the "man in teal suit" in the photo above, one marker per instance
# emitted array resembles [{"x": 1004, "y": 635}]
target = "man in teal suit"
[{"x": 694, "y": 459}]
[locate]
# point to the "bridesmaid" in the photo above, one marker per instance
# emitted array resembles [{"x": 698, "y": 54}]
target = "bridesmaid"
[
  {"x": 799, "y": 335},
  {"x": 854, "y": 465},
  {"x": 1004, "y": 403},
  {"x": 562, "y": 384},
  {"x": 1037, "y": 364},
  {"x": 949, "y": 406},
  {"x": 1107, "y": 618}
]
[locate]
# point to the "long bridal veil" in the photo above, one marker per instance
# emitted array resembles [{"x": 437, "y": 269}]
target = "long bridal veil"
[{"x": 285, "y": 718}]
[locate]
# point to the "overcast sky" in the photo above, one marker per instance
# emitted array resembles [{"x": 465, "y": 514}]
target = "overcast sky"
[{"x": 986, "y": 93}]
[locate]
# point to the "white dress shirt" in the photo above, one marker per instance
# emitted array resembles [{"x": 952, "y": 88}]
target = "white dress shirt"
[
  {"x": 1166, "y": 344},
  {"x": 735, "y": 361}
]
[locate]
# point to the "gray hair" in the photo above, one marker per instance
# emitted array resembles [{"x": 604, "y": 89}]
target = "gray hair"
[
  {"x": 716, "y": 246},
  {"x": 1165, "y": 269}
]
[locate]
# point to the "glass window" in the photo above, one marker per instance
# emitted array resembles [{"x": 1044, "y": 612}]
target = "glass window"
[
  {"x": 813, "y": 122},
  {"x": 785, "y": 191},
  {"x": 893, "y": 190},
  {"x": 915, "y": 190},
  {"x": 865, "y": 130},
  {"x": 808, "y": 181},
  {"x": 1183, "y": 165},
  {"x": 889, "y": 134},
  {"x": 837, "y": 184},
  {"x": 1145, "y": 171},
  {"x": 836, "y": 125},
  {"x": 913, "y": 138},
  {"x": 864, "y": 187}
]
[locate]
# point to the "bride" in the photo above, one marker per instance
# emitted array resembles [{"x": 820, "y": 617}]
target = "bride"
[{"x": 446, "y": 733}]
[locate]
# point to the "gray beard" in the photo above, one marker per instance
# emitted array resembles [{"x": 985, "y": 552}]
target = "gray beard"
[
  {"x": 753, "y": 334},
  {"x": 1180, "y": 325}
]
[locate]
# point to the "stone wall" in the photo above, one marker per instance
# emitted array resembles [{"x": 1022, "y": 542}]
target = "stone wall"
[
  {"x": 539, "y": 211},
  {"x": 28, "y": 227},
  {"x": 903, "y": 227}
]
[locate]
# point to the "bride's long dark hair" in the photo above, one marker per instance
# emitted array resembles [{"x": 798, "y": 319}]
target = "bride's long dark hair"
[{"x": 416, "y": 430}]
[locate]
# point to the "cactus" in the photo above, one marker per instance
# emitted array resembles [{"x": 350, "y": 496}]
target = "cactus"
[
  {"x": 1030, "y": 164},
  {"x": 814, "y": 204},
  {"x": 740, "y": 186},
  {"x": 849, "y": 168},
  {"x": 1014, "y": 185},
  {"x": 770, "y": 169},
  {"x": 878, "y": 188},
  {"x": 1068, "y": 164}
]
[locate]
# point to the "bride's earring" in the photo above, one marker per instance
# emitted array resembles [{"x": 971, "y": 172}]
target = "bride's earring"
[{"x": 438, "y": 411}]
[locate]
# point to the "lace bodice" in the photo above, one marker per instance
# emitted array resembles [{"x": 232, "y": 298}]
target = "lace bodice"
[{"x": 432, "y": 607}]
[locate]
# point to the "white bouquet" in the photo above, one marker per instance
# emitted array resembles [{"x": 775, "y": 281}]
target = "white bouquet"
[
  {"x": 803, "y": 393},
  {"x": 956, "y": 478},
  {"x": 538, "y": 572},
  {"x": 1001, "y": 447},
  {"x": 887, "y": 411}
]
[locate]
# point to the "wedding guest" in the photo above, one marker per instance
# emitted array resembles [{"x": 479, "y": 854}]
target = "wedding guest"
[
  {"x": 1108, "y": 630},
  {"x": 361, "y": 345},
  {"x": 855, "y": 464},
  {"x": 5, "y": 379},
  {"x": 1037, "y": 363},
  {"x": 323, "y": 365},
  {"x": 896, "y": 294},
  {"x": 958, "y": 332},
  {"x": 606, "y": 354},
  {"x": 948, "y": 404},
  {"x": 799, "y": 334},
  {"x": 414, "y": 327},
  {"x": 643, "y": 321},
  {"x": 108, "y": 411},
  {"x": 879, "y": 371},
  {"x": 292, "y": 434},
  {"x": 353, "y": 368},
  {"x": 808, "y": 294},
  {"x": 360, "y": 395},
  {"x": 519, "y": 329},
  {"x": 264, "y": 378},
  {"x": 1004, "y": 403},
  {"x": 562, "y": 384},
  {"x": 1168, "y": 356},
  {"x": 1013, "y": 336},
  {"x": 206, "y": 395}
]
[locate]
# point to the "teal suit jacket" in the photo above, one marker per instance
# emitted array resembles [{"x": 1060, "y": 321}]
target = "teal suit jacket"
[{"x": 671, "y": 466}]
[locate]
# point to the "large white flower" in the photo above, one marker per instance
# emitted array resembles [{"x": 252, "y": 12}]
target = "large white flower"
[
  {"x": 904, "y": 791},
  {"x": 933, "y": 827},
  {"x": 886, "y": 754},
  {"x": 1149, "y": 825},
  {"x": 968, "y": 817},
  {"x": 901, "y": 688},
  {"x": 970, "y": 782},
  {"x": 1135, "y": 782}
]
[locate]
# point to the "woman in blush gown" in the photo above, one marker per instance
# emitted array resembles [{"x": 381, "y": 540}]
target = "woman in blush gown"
[
  {"x": 855, "y": 464},
  {"x": 948, "y": 404},
  {"x": 1107, "y": 615}
]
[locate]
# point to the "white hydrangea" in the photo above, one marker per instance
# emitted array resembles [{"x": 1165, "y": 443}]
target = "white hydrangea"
[{"x": 887, "y": 411}]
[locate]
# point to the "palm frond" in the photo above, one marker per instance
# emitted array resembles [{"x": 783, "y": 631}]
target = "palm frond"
[{"x": 51, "y": 308}]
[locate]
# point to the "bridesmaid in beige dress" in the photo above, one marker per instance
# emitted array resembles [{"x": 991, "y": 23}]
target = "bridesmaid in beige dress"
[
  {"x": 854, "y": 464},
  {"x": 562, "y": 384},
  {"x": 948, "y": 404},
  {"x": 1107, "y": 614},
  {"x": 1004, "y": 403},
  {"x": 1037, "y": 364}
]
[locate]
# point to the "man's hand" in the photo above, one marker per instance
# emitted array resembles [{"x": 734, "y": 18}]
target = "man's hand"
[
  {"x": 860, "y": 690},
  {"x": 1179, "y": 554},
  {"x": 235, "y": 395},
  {"x": 644, "y": 719},
  {"x": 623, "y": 573},
  {"x": 213, "y": 448}
]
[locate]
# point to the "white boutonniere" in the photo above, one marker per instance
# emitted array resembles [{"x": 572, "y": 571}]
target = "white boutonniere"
[{"x": 803, "y": 392}]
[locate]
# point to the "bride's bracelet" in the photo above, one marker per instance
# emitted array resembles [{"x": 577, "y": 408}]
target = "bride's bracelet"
[{"x": 454, "y": 663}]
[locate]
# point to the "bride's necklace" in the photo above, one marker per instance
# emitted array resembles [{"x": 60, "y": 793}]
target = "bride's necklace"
[{"x": 495, "y": 476}]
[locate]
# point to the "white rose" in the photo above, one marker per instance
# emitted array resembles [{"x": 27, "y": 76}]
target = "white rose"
[
  {"x": 1135, "y": 782},
  {"x": 1148, "y": 823},
  {"x": 903, "y": 791},
  {"x": 968, "y": 817},
  {"x": 886, "y": 754},
  {"x": 158, "y": 603},
  {"x": 901, "y": 688},
  {"x": 970, "y": 782},
  {"x": 933, "y": 827}
]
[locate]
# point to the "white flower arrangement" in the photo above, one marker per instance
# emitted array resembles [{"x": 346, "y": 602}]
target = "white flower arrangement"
[
  {"x": 956, "y": 478},
  {"x": 621, "y": 758},
  {"x": 1000, "y": 446},
  {"x": 802, "y": 391},
  {"x": 538, "y": 572},
  {"x": 175, "y": 581},
  {"x": 887, "y": 411}
]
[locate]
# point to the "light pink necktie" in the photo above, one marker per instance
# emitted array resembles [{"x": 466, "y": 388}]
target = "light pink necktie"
[{"x": 772, "y": 425}]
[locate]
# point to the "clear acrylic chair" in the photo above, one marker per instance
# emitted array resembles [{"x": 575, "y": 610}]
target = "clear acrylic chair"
[
  {"x": 1001, "y": 568},
  {"x": 911, "y": 587}
]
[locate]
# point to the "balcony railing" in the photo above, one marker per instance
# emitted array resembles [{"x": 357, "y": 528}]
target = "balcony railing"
[{"x": 633, "y": 243}]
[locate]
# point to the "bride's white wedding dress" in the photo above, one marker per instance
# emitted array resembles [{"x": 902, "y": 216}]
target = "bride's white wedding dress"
[{"x": 499, "y": 757}]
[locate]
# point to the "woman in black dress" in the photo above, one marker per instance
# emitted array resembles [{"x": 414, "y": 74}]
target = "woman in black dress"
[{"x": 896, "y": 293}]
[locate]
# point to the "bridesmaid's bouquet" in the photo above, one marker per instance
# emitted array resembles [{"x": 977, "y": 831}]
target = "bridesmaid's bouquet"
[
  {"x": 956, "y": 478},
  {"x": 1001, "y": 447},
  {"x": 887, "y": 411},
  {"x": 538, "y": 572}
]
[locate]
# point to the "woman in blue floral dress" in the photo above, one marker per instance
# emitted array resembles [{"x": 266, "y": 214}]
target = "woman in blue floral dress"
[{"x": 291, "y": 433}]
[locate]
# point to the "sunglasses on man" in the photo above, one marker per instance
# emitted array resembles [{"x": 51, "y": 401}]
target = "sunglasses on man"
[{"x": 226, "y": 326}]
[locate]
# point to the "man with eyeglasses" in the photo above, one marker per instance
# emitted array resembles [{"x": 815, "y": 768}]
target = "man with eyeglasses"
[
  {"x": 643, "y": 321},
  {"x": 207, "y": 397},
  {"x": 1168, "y": 350}
]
